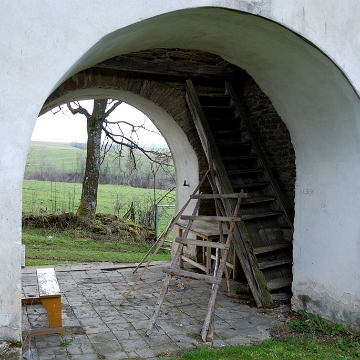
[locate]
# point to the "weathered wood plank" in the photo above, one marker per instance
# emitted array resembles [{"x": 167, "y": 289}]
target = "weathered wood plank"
[
  {"x": 265, "y": 249},
  {"x": 173, "y": 68},
  {"x": 262, "y": 215},
  {"x": 210, "y": 244},
  {"x": 279, "y": 283},
  {"x": 194, "y": 263},
  {"x": 273, "y": 263},
  {"x": 210, "y": 218},
  {"x": 191, "y": 275},
  {"x": 204, "y": 229},
  {"x": 48, "y": 284},
  {"x": 244, "y": 171},
  {"x": 220, "y": 196},
  {"x": 259, "y": 199}
]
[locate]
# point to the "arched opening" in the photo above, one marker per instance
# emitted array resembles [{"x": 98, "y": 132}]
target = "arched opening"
[
  {"x": 310, "y": 93},
  {"x": 183, "y": 154},
  {"x": 307, "y": 90},
  {"x": 295, "y": 75}
]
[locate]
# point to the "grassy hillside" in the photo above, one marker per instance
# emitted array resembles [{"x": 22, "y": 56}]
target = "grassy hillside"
[{"x": 62, "y": 156}]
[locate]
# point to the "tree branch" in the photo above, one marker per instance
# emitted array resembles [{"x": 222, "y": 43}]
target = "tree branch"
[
  {"x": 78, "y": 110},
  {"x": 112, "y": 108}
]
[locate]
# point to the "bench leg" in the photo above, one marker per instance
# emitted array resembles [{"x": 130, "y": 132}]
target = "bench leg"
[{"x": 53, "y": 309}]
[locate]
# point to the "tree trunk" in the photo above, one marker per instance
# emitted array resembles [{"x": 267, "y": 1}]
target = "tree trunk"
[{"x": 88, "y": 202}]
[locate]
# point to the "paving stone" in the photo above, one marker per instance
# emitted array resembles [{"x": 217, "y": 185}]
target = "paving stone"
[
  {"x": 108, "y": 349},
  {"x": 98, "y": 326},
  {"x": 101, "y": 337}
]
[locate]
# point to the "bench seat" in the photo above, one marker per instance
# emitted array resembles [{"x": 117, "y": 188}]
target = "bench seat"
[{"x": 50, "y": 297}]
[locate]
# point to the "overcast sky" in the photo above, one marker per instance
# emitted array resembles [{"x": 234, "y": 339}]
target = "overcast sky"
[{"x": 65, "y": 127}]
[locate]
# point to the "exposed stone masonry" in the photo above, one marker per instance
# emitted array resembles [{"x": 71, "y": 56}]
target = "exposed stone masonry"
[{"x": 273, "y": 136}]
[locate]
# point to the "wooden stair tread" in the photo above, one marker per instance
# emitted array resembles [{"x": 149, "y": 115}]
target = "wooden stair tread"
[
  {"x": 244, "y": 171},
  {"x": 224, "y": 132},
  {"x": 215, "y": 245},
  {"x": 220, "y": 95},
  {"x": 258, "y": 199},
  {"x": 239, "y": 157},
  {"x": 220, "y": 196},
  {"x": 209, "y": 218},
  {"x": 191, "y": 275},
  {"x": 279, "y": 283},
  {"x": 261, "y": 215},
  {"x": 274, "y": 263},
  {"x": 224, "y": 107},
  {"x": 269, "y": 248},
  {"x": 232, "y": 143},
  {"x": 249, "y": 185}
]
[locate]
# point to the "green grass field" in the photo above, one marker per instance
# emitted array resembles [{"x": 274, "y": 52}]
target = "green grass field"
[
  {"x": 61, "y": 156},
  {"x": 57, "y": 197},
  {"x": 56, "y": 246}
]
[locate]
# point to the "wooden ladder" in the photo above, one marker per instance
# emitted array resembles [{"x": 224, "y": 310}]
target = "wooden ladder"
[{"x": 215, "y": 280}]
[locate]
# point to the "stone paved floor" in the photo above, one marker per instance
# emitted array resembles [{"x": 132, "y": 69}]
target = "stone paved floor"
[{"x": 97, "y": 327}]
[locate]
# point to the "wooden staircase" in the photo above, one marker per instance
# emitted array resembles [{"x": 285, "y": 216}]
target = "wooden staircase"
[{"x": 263, "y": 239}]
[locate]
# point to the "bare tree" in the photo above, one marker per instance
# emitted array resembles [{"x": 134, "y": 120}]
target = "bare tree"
[
  {"x": 94, "y": 124},
  {"x": 97, "y": 122}
]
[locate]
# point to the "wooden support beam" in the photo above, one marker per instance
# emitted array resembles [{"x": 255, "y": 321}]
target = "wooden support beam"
[
  {"x": 171, "y": 68},
  {"x": 191, "y": 275},
  {"x": 202, "y": 243},
  {"x": 194, "y": 263}
]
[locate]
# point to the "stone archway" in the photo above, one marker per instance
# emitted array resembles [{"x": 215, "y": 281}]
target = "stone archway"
[{"x": 309, "y": 72}]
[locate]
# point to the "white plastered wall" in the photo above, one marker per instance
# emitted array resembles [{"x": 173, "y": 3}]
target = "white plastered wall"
[{"x": 314, "y": 94}]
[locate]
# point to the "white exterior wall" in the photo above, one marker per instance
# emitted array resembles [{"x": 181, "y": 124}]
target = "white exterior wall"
[{"x": 312, "y": 80}]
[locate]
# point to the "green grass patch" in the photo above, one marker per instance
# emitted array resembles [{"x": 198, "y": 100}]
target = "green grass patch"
[
  {"x": 51, "y": 246},
  {"x": 302, "y": 337},
  {"x": 292, "y": 348}
]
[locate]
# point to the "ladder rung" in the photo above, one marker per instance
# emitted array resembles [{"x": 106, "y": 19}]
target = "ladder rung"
[
  {"x": 220, "y": 196},
  {"x": 191, "y": 275},
  {"x": 270, "y": 264},
  {"x": 261, "y": 215},
  {"x": 194, "y": 263},
  {"x": 231, "y": 266},
  {"x": 215, "y": 245},
  {"x": 265, "y": 249},
  {"x": 210, "y": 218}
]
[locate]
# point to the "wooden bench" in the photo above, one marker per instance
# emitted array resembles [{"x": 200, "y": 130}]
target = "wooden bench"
[{"x": 50, "y": 297}]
